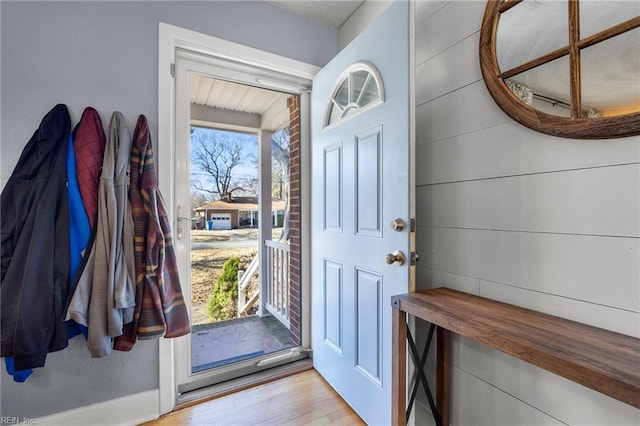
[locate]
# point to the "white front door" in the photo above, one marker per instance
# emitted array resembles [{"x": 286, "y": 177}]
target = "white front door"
[{"x": 361, "y": 183}]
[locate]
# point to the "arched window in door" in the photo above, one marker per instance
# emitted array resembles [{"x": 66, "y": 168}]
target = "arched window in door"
[{"x": 358, "y": 88}]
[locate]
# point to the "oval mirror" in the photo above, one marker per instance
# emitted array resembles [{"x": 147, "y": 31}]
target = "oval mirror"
[{"x": 568, "y": 68}]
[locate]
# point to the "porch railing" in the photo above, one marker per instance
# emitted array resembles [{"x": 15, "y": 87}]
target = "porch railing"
[
  {"x": 277, "y": 294},
  {"x": 244, "y": 278},
  {"x": 276, "y": 299}
]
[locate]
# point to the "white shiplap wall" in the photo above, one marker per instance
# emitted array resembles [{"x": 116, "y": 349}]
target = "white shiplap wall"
[{"x": 542, "y": 222}]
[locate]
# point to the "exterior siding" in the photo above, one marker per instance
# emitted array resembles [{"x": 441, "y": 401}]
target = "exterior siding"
[{"x": 503, "y": 212}]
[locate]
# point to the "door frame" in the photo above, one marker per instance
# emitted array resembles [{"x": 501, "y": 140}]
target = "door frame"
[{"x": 170, "y": 39}]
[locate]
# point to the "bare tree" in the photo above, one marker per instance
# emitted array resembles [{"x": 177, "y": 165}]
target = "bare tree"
[
  {"x": 198, "y": 199},
  {"x": 216, "y": 154}
]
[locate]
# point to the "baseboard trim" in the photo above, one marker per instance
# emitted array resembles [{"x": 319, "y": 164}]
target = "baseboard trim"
[{"x": 127, "y": 410}]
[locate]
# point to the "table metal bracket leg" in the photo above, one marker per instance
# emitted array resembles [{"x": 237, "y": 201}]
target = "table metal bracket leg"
[{"x": 420, "y": 377}]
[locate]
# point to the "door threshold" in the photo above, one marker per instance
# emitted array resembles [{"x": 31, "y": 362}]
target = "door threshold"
[{"x": 218, "y": 390}]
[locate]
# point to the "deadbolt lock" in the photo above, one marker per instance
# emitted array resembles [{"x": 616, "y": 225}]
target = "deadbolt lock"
[
  {"x": 397, "y": 257},
  {"x": 397, "y": 224}
]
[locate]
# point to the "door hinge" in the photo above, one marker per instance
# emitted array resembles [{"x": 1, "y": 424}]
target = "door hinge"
[
  {"x": 172, "y": 70},
  {"x": 414, "y": 258},
  {"x": 412, "y": 224}
]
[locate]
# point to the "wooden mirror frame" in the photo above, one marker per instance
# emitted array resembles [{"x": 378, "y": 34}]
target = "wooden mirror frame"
[{"x": 576, "y": 126}]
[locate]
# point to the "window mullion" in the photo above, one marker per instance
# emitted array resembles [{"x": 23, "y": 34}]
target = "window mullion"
[
  {"x": 364, "y": 87},
  {"x": 574, "y": 58},
  {"x": 337, "y": 104},
  {"x": 541, "y": 60},
  {"x": 611, "y": 32}
]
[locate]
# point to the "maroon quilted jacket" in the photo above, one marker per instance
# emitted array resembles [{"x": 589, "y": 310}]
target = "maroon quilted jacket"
[{"x": 88, "y": 145}]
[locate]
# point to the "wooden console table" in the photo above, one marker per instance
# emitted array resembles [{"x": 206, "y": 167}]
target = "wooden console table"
[{"x": 602, "y": 360}]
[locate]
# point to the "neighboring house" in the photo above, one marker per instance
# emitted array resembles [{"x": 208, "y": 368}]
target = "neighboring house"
[{"x": 236, "y": 212}]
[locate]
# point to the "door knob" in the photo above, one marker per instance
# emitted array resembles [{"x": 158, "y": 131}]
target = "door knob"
[
  {"x": 397, "y": 224},
  {"x": 396, "y": 257}
]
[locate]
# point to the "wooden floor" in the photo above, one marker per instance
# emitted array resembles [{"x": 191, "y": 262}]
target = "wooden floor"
[{"x": 302, "y": 399}]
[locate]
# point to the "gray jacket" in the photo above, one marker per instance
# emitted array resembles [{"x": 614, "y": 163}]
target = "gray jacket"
[{"x": 105, "y": 296}]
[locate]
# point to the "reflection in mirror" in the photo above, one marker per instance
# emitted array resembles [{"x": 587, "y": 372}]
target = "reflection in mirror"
[
  {"x": 596, "y": 16},
  {"x": 547, "y": 33},
  {"x": 549, "y": 87},
  {"x": 610, "y": 75},
  {"x": 568, "y": 68}
]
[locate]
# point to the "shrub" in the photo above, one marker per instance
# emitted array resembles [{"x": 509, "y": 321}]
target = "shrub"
[{"x": 223, "y": 303}]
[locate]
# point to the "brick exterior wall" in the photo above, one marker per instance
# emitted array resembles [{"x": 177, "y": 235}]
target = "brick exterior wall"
[{"x": 295, "y": 301}]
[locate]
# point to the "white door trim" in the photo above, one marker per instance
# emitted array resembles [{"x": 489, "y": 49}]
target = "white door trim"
[{"x": 171, "y": 38}]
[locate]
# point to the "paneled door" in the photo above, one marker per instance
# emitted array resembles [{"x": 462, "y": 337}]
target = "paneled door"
[{"x": 361, "y": 210}]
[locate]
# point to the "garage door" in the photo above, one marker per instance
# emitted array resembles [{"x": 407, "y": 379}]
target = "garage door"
[{"x": 221, "y": 221}]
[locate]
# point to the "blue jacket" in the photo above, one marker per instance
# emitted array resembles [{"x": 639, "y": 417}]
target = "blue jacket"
[{"x": 79, "y": 229}]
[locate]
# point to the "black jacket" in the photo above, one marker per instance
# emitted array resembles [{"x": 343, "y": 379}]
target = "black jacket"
[{"x": 35, "y": 246}]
